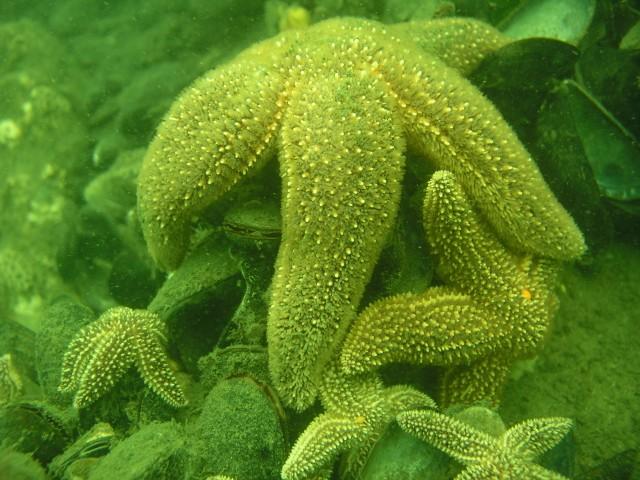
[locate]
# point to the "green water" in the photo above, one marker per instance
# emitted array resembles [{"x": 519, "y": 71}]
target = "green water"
[{"x": 83, "y": 88}]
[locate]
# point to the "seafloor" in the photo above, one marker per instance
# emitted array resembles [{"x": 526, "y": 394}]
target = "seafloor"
[{"x": 83, "y": 85}]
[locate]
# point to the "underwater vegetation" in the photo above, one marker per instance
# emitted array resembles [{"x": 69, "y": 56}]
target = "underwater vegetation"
[{"x": 322, "y": 239}]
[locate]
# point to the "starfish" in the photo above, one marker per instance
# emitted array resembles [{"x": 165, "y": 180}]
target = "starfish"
[
  {"x": 358, "y": 409},
  {"x": 495, "y": 307},
  {"x": 339, "y": 102},
  {"x": 102, "y": 352},
  {"x": 508, "y": 457}
]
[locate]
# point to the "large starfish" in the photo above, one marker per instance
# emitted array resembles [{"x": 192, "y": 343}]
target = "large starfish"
[{"x": 338, "y": 102}]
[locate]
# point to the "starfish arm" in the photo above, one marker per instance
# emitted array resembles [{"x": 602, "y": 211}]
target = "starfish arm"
[
  {"x": 112, "y": 357},
  {"x": 219, "y": 129},
  {"x": 533, "y": 437},
  {"x": 461, "y": 43},
  {"x": 323, "y": 440},
  {"x": 103, "y": 351},
  {"x": 469, "y": 254},
  {"x": 517, "y": 288},
  {"x": 536, "y": 472},
  {"x": 349, "y": 395},
  {"x": 473, "y": 472},
  {"x": 377, "y": 410},
  {"x": 151, "y": 360},
  {"x": 341, "y": 165},
  {"x": 440, "y": 326},
  {"x": 368, "y": 406},
  {"x": 452, "y": 436},
  {"x": 508, "y": 469},
  {"x": 450, "y": 122},
  {"x": 78, "y": 355},
  {"x": 400, "y": 398},
  {"x": 482, "y": 380}
]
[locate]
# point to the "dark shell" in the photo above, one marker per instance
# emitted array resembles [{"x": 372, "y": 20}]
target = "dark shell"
[{"x": 37, "y": 428}]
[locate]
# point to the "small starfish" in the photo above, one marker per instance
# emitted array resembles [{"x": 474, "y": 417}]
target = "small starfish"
[
  {"x": 495, "y": 306},
  {"x": 103, "y": 351},
  {"x": 338, "y": 102},
  {"x": 509, "y": 457},
  {"x": 358, "y": 409}
]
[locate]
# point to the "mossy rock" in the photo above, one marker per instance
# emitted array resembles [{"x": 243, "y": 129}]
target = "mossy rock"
[
  {"x": 157, "y": 452},
  {"x": 19, "y": 466},
  {"x": 238, "y": 433}
]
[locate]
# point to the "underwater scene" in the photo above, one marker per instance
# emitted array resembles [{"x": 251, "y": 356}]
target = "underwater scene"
[{"x": 319, "y": 239}]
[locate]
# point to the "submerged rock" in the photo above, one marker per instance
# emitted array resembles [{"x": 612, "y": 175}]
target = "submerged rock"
[
  {"x": 37, "y": 428},
  {"x": 61, "y": 323},
  {"x": 43, "y": 145},
  {"x": 197, "y": 299},
  {"x": 19, "y": 466},
  {"x": 239, "y": 432},
  {"x": 156, "y": 451}
]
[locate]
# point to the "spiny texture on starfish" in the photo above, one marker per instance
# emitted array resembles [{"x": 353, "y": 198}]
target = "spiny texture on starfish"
[
  {"x": 496, "y": 305},
  {"x": 337, "y": 102},
  {"x": 358, "y": 409},
  {"x": 103, "y": 351},
  {"x": 482, "y": 379},
  {"x": 461, "y": 43},
  {"x": 509, "y": 457}
]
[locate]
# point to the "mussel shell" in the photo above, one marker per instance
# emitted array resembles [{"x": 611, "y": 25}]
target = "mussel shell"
[
  {"x": 35, "y": 427},
  {"x": 95, "y": 443},
  {"x": 253, "y": 220}
]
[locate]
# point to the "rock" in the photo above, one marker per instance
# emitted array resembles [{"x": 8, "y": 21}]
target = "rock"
[
  {"x": 156, "y": 451},
  {"x": 60, "y": 324},
  {"x": 239, "y": 433}
]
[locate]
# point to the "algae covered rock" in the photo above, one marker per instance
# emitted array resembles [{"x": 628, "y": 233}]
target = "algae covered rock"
[
  {"x": 400, "y": 455},
  {"x": 19, "y": 466},
  {"x": 198, "y": 297},
  {"x": 157, "y": 451},
  {"x": 37, "y": 428},
  {"x": 113, "y": 192},
  {"x": 61, "y": 322},
  {"x": 233, "y": 361},
  {"x": 43, "y": 146},
  {"x": 111, "y": 200},
  {"x": 239, "y": 433}
]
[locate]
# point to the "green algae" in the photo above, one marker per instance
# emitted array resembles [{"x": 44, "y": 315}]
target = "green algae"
[
  {"x": 157, "y": 451},
  {"x": 238, "y": 416},
  {"x": 20, "y": 466}
]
